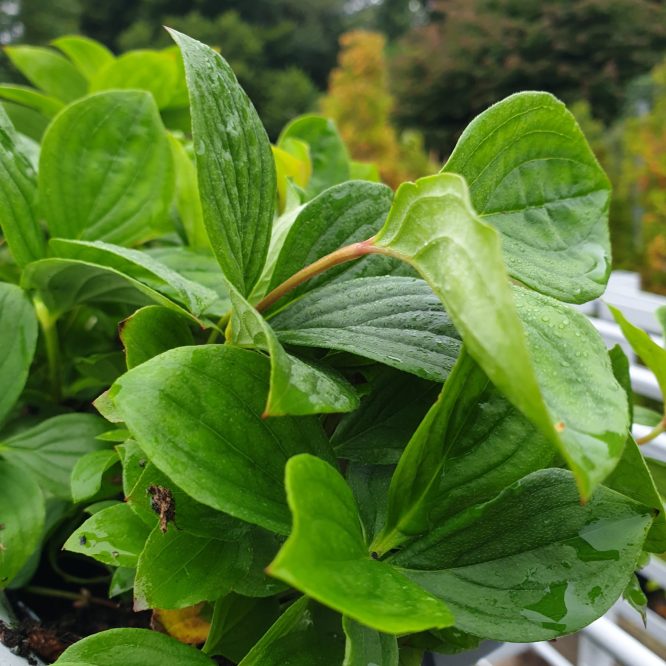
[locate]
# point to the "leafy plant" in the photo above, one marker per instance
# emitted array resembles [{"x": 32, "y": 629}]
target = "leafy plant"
[{"x": 350, "y": 426}]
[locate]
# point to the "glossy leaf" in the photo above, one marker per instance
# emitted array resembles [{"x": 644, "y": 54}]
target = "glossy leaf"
[
  {"x": 586, "y": 402},
  {"x": 496, "y": 447},
  {"x": 133, "y": 266},
  {"x": 139, "y": 475},
  {"x": 105, "y": 170},
  {"x": 18, "y": 198},
  {"x": 177, "y": 569},
  {"x": 432, "y": 226},
  {"x": 115, "y": 535},
  {"x": 87, "y": 55},
  {"x": 417, "y": 475},
  {"x": 378, "y": 431},
  {"x": 255, "y": 583},
  {"x": 632, "y": 478},
  {"x": 636, "y": 598},
  {"x": 22, "y": 516},
  {"x": 152, "y": 330},
  {"x": 366, "y": 646},
  {"x": 49, "y": 71},
  {"x": 235, "y": 166},
  {"x": 208, "y": 435},
  {"x": 31, "y": 98},
  {"x": 306, "y": 634},
  {"x": 330, "y": 161},
  {"x": 132, "y": 647},
  {"x": 122, "y": 580},
  {"x": 88, "y": 473},
  {"x": 51, "y": 449},
  {"x": 296, "y": 387},
  {"x": 650, "y": 352},
  {"x": 197, "y": 267},
  {"x": 394, "y": 320},
  {"x": 238, "y": 623},
  {"x": 488, "y": 565},
  {"x": 326, "y": 557},
  {"x": 533, "y": 176},
  {"x": 344, "y": 214},
  {"x": 18, "y": 330},
  {"x": 370, "y": 485}
]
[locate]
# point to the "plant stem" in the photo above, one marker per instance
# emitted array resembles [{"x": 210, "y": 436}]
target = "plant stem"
[
  {"x": 655, "y": 432},
  {"x": 48, "y": 324},
  {"x": 340, "y": 256},
  {"x": 221, "y": 323},
  {"x": 82, "y": 597}
]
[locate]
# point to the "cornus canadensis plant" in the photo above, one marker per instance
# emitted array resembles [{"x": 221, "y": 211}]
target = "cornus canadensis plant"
[{"x": 378, "y": 428}]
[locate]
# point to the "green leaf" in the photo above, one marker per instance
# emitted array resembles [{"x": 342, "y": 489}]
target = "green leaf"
[
  {"x": 496, "y": 447},
  {"x": 139, "y": 475},
  {"x": 31, "y": 98},
  {"x": 433, "y": 226},
  {"x": 364, "y": 171},
  {"x": 51, "y": 449},
  {"x": 650, "y": 352},
  {"x": 366, "y": 646},
  {"x": 122, "y": 580},
  {"x": 586, "y": 402},
  {"x": 533, "y": 563},
  {"x": 255, "y": 583},
  {"x": 79, "y": 278},
  {"x": 660, "y": 314},
  {"x": 378, "y": 431},
  {"x": 142, "y": 69},
  {"x": 49, "y": 71},
  {"x": 306, "y": 634},
  {"x": 658, "y": 472},
  {"x": 296, "y": 387},
  {"x": 235, "y": 165},
  {"x": 238, "y": 623},
  {"x": 646, "y": 416},
  {"x": 196, "y": 267},
  {"x": 105, "y": 170},
  {"x": 115, "y": 535},
  {"x": 394, "y": 320},
  {"x": 208, "y": 435},
  {"x": 18, "y": 198},
  {"x": 22, "y": 517},
  {"x": 178, "y": 569},
  {"x": 87, "y": 55},
  {"x": 188, "y": 202},
  {"x": 88, "y": 473},
  {"x": 417, "y": 475},
  {"x": 132, "y": 647},
  {"x": 533, "y": 176},
  {"x": 326, "y": 557},
  {"x": 152, "y": 330},
  {"x": 330, "y": 161},
  {"x": 342, "y": 215},
  {"x": 635, "y": 597},
  {"x": 370, "y": 485},
  {"x": 632, "y": 478},
  {"x": 18, "y": 330}
]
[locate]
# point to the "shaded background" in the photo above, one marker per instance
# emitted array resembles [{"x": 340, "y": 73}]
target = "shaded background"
[{"x": 402, "y": 78}]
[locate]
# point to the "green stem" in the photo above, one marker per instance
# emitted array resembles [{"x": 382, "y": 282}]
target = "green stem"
[
  {"x": 82, "y": 597},
  {"x": 217, "y": 329},
  {"x": 340, "y": 256},
  {"x": 48, "y": 324},
  {"x": 654, "y": 433}
]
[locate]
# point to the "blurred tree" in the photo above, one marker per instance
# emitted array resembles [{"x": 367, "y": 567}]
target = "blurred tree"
[
  {"x": 475, "y": 52},
  {"x": 360, "y": 103},
  {"x": 645, "y": 171}
]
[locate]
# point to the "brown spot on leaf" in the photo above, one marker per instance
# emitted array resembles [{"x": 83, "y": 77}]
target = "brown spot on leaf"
[{"x": 163, "y": 504}]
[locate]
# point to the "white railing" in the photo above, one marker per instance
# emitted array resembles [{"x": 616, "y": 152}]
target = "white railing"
[{"x": 604, "y": 643}]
